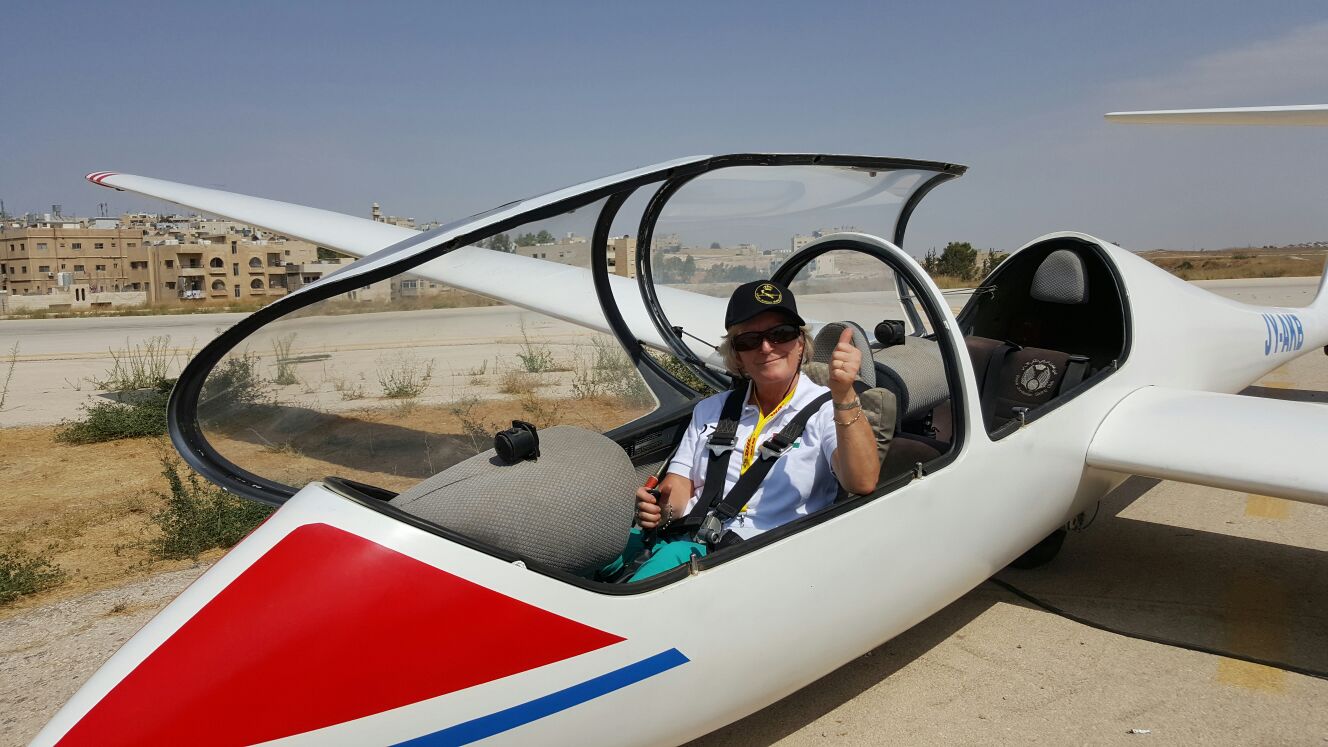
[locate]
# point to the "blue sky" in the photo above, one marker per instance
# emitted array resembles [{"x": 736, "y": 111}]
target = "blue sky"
[{"x": 439, "y": 110}]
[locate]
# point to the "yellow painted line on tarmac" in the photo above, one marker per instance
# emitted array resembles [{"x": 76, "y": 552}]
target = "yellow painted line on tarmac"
[
  {"x": 1256, "y": 610},
  {"x": 1250, "y": 676},
  {"x": 1266, "y": 506}
]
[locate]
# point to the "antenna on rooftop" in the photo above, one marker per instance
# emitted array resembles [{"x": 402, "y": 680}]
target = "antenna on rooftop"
[{"x": 101, "y": 206}]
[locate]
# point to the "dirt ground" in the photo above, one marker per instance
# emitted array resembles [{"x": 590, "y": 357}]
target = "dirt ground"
[{"x": 88, "y": 507}]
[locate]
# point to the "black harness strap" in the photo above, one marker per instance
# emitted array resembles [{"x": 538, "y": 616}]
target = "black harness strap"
[
  {"x": 721, "y": 444},
  {"x": 989, "y": 383},
  {"x": 1074, "y": 372},
  {"x": 711, "y": 511}
]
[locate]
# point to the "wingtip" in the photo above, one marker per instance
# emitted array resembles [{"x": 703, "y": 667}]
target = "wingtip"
[{"x": 96, "y": 177}]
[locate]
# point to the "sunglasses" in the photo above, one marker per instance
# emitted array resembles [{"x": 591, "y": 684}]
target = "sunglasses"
[{"x": 776, "y": 335}]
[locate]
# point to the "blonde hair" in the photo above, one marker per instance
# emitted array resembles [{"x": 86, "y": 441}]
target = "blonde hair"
[{"x": 734, "y": 365}]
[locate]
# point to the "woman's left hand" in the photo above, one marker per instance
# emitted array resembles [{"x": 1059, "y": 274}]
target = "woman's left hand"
[{"x": 844, "y": 366}]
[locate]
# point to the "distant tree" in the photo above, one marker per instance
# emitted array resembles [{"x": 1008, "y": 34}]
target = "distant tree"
[
  {"x": 527, "y": 239},
  {"x": 930, "y": 261},
  {"x": 959, "y": 260},
  {"x": 325, "y": 254},
  {"x": 726, "y": 273},
  {"x": 544, "y": 237},
  {"x": 715, "y": 245},
  {"x": 499, "y": 242},
  {"x": 992, "y": 261},
  {"x": 673, "y": 270}
]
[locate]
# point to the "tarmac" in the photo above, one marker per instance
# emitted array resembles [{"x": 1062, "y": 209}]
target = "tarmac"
[{"x": 1165, "y": 568}]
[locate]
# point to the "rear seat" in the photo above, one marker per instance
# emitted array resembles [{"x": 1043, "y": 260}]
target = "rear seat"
[{"x": 1012, "y": 377}]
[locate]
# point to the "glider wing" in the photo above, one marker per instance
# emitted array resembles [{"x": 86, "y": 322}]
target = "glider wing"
[
  {"x": 1231, "y": 441},
  {"x": 1305, "y": 115}
]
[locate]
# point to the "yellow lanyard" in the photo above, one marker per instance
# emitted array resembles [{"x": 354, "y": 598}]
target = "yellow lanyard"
[{"x": 749, "y": 451}]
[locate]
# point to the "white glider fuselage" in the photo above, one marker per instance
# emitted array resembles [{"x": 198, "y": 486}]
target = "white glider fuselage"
[{"x": 756, "y": 628}]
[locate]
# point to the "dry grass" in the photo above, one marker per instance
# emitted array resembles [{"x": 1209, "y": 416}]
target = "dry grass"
[
  {"x": 947, "y": 281},
  {"x": 85, "y": 507},
  {"x": 1240, "y": 263},
  {"x": 518, "y": 382}
]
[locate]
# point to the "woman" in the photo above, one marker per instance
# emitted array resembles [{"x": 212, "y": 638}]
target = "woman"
[{"x": 767, "y": 343}]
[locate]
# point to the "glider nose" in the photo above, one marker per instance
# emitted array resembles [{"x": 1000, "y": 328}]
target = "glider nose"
[{"x": 323, "y": 628}]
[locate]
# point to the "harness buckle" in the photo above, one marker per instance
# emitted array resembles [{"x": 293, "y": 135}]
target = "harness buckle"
[
  {"x": 711, "y": 530},
  {"x": 774, "y": 448},
  {"x": 720, "y": 445}
]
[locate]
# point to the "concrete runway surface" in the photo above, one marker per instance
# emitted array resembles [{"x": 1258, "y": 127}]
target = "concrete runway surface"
[{"x": 1194, "y": 566}]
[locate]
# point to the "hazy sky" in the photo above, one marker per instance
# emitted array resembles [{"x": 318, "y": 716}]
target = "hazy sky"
[{"x": 440, "y": 111}]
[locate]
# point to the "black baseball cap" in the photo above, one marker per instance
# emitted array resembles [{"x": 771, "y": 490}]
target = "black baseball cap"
[{"x": 758, "y": 296}]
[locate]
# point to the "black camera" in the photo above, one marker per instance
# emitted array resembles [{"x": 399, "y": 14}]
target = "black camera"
[
  {"x": 890, "y": 332},
  {"x": 518, "y": 443}
]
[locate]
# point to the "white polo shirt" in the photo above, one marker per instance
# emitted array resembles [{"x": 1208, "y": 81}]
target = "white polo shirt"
[{"x": 801, "y": 481}]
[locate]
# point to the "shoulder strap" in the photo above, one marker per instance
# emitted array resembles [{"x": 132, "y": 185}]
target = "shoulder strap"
[
  {"x": 718, "y": 513},
  {"x": 720, "y": 447}
]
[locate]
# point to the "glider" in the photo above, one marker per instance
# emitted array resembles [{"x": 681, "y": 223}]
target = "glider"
[{"x": 349, "y": 617}]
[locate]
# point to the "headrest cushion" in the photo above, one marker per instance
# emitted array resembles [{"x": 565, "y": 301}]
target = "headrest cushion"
[
  {"x": 1061, "y": 279},
  {"x": 823, "y": 348}
]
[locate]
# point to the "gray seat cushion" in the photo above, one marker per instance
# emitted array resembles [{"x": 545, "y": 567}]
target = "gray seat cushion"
[
  {"x": 571, "y": 509},
  {"x": 916, "y": 372},
  {"x": 1061, "y": 278}
]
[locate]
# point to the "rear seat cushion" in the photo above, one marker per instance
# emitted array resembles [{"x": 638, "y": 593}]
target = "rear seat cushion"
[
  {"x": 1029, "y": 378},
  {"x": 916, "y": 373}
]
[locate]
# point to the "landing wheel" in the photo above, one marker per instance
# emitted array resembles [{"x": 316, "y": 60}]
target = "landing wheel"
[{"x": 1042, "y": 552}]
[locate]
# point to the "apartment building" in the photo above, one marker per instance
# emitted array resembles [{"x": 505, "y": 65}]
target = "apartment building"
[
  {"x": 43, "y": 258},
  {"x": 166, "y": 265},
  {"x": 575, "y": 250},
  {"x": 217, "y": 268}
]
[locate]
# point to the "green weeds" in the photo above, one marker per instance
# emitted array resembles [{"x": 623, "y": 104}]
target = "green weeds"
[
  {"x": 139, "y": 367},
  {"x": 198, "y": 517},
  {"x": 142, "y": 414},
  {"x": 22, "y": 573},
  {"x": 405, "y": 377}
]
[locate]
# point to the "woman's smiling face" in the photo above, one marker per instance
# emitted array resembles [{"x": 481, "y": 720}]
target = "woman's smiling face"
[{"x": 770, "y": 363}]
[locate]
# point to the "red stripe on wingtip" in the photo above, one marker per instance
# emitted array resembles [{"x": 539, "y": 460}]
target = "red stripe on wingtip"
[{"x": 96, "y": 177}]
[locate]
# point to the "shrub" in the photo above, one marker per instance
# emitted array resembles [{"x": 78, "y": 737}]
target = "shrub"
[
  {"x": 233, "y": 386},
  {"x": 534, "y": 358},
  {"x": 11, "y": 361},
  {"x": 198, "y": 517},
  {"x": 281, "y": 348},
  {"x": 406, "y": 377},
  {"x": 473, "y": 424},
  {"x": 22, "y": 573},
  {"x": 349, "y": 390},
  {"x": 142, "y": 415},
  {"x": 138, "y": 367},
  {"x": 680, "y": 371},
  {"x": 517, "y": 382}
]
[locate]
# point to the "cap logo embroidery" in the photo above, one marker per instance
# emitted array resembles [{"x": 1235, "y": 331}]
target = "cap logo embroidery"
[
  {"x": 767, "y": 293},
  {"x": 1035, "y": 378}
]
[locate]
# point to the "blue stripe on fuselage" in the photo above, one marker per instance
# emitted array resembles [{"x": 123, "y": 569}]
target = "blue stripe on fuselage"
[{"x": 496, "y": 723}]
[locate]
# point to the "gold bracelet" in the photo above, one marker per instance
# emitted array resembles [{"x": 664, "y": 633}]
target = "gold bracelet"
[{"x": 851, "y": 422}]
